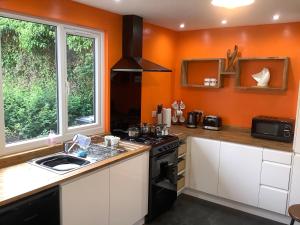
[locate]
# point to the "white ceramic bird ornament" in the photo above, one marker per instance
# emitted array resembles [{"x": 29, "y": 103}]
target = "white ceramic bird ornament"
[{"x": 262, "y": 78}]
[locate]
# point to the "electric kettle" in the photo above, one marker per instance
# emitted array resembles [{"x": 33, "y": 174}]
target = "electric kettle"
[{"x": 193, "y": 119}]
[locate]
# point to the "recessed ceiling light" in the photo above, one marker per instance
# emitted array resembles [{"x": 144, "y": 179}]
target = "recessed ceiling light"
[
  {"x": 117, "y": 0},
  {"x": 276, "y": 17},
  {"x": 182, "y": 25},
  {"x": 224, "y": 22},
  {"x": 231, "y": 4}
]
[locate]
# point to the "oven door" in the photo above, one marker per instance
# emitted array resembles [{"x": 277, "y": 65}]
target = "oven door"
[
  {"x": 163, "y": 183},
  {"x": 163, "y": 165}
]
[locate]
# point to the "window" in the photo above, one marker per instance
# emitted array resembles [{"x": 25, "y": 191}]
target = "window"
[
  {"x": 81, "y": 82},
  {"x": 29, "y": 79},
  {"x": 50, "y": 82}
]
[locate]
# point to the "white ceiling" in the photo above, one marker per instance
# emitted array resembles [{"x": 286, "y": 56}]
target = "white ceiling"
[{"x": 197, "y": 14}]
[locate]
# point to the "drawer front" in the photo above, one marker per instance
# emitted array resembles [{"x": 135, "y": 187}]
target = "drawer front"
[
  {"x": 275, "y": 175},
  {"x": 277, "y": 156},
  {"x": 180, "y": 183},
  {"x": 273, "y": 199},
  {"x": 181, "y": 165},
  {"x": 182, "y": 149}
]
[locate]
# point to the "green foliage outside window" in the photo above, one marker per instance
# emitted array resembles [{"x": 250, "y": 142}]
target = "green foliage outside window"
[{"x": 28, "y": 53}]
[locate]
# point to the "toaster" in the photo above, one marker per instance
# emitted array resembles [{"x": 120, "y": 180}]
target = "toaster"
[{"x": 212, "y": 123}]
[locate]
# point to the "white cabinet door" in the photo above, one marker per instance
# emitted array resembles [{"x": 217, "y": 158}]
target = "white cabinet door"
[
  {"x": 240, "y": 168},
  {"x": 204, "y": 165},
  {"x": 295, "y": 184},
  {"x": 129, "y": 190},
  {"x": 86, "y": 200}
]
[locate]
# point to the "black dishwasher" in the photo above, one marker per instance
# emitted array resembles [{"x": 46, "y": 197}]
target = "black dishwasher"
[{"x": 39, "y": 209}]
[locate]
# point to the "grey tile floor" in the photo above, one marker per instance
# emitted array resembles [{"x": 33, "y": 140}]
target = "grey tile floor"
[{"x": 192, "y": 211}]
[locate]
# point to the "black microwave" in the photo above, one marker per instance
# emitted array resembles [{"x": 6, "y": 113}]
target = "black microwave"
[{"x": 273, "y": 128}]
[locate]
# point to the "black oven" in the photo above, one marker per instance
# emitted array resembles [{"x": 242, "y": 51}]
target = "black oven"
[
  {"x": 162, "y": 179},
  {"x": 273, "y": 128}
]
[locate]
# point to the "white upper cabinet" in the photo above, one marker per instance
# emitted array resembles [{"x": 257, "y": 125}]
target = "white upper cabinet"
[
  {"x": 86, "y": 200},
  {"x": 129, "y": 190},
  {"x": 204, "y": 165},
  {"x": 240, "y": 169}
]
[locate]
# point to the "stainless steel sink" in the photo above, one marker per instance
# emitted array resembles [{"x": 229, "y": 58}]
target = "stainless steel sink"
[{"x": 60, "y": 163}]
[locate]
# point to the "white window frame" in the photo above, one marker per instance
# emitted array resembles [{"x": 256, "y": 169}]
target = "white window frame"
[{"x": 65, "y": 132}]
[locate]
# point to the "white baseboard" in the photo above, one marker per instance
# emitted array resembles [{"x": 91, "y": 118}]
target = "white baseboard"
[{"x": 239, "y": 206}]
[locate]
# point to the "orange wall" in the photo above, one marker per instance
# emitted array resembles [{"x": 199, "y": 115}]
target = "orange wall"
[
  {"x": 238, "y": 107},
  {"x": 159, "y": 47}
]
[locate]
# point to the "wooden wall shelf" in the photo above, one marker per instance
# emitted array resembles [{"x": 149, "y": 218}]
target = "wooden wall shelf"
[
  {"x": 277, "y": 65},
  {"x": 260, "y": 89},
  {"x": 228, "y": 73},
  {"x": 219, "y": 67},
  {"x": 282, "y": 86},
  {"x": 201, "y": 86}
]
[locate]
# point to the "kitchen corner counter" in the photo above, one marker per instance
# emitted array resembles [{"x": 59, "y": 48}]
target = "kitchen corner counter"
[
  {"x": 230, "y": 134},
  {"x": 24, "y": 179}
]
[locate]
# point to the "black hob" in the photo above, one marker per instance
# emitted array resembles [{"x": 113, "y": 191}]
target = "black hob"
[
  {"x": 152, "y": 140},
  {"x": 158, "y": 144}
]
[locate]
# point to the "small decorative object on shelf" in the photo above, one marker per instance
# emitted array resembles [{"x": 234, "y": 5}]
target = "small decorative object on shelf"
[
  {"x": 213, "y": 82},
  {"x": 262, "y": 78},
  {"x": 232, "y": 59},
  {"x": 279, "y": 66},
  {"x": 178, "y": 107},
  {"x": 210, "y": 82},
  {"x": 206, "y": 82}
]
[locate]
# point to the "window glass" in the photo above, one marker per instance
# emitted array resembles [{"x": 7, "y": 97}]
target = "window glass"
[
  {"x": 28, "y": 57},
  {"x": 81, "y": 80}
]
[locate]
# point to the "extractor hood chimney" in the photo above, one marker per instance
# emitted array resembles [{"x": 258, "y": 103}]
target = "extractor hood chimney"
[{"x": 132, "y": 60}]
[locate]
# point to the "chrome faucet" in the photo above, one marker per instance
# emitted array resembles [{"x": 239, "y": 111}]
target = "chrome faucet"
[
  {"x": 81, "y": 140},
  {"x": 68, "y": 149}
]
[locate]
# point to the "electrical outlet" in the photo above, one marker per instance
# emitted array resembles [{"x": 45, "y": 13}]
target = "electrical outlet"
[{"x": 153, "y": 114}]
